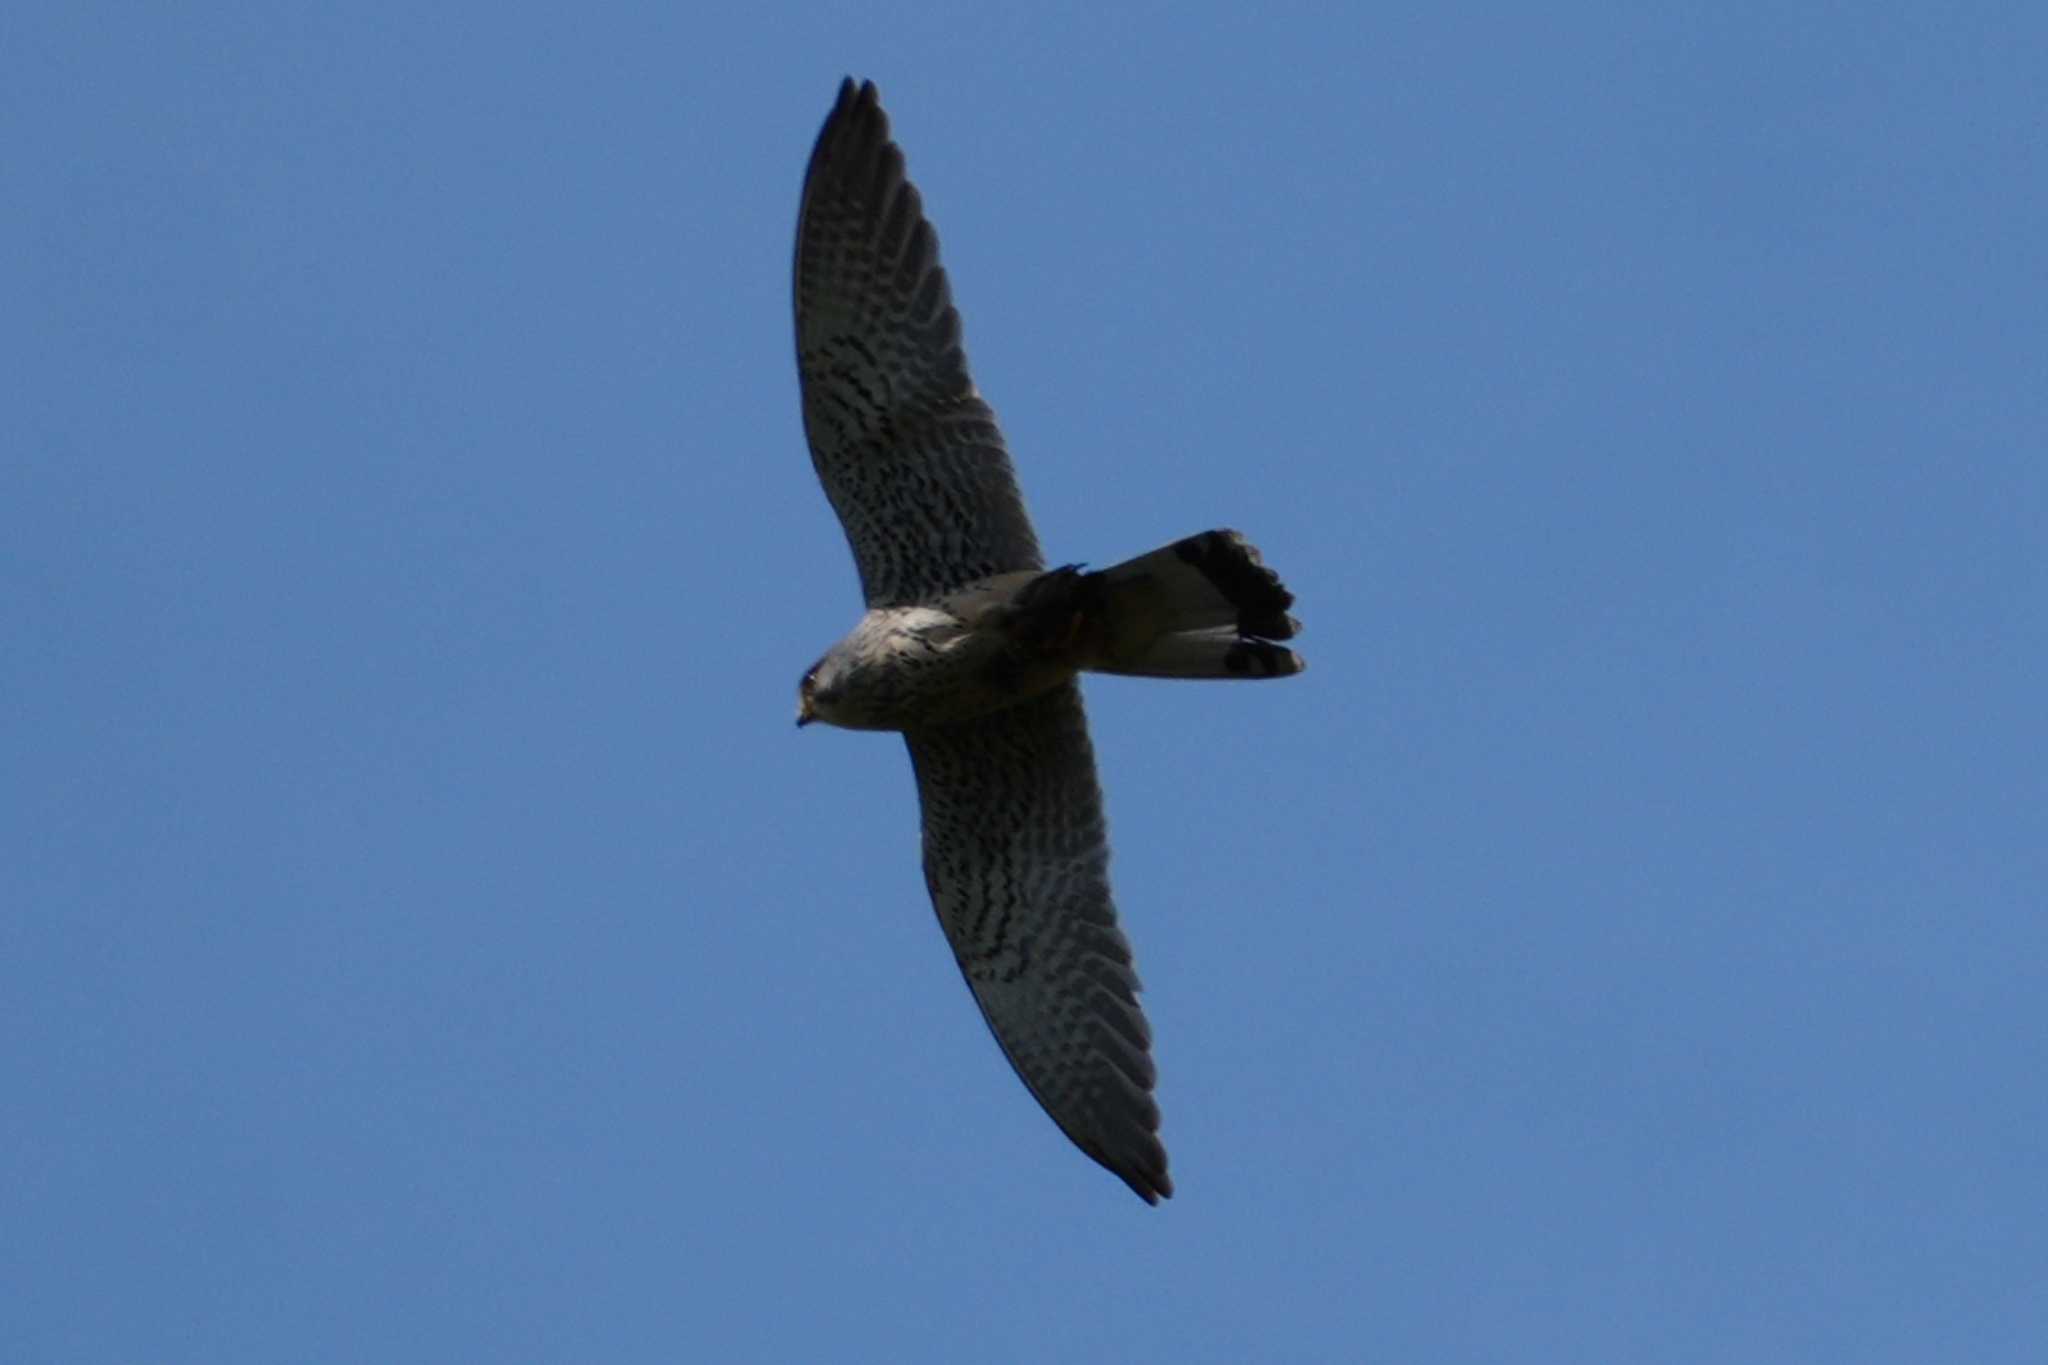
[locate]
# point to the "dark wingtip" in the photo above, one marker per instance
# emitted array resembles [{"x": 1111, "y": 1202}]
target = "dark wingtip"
[
  {"x": 1149, "y": 1182},
  {"x": 853, "y": 92},
  {"x": 856, "y": 116}
]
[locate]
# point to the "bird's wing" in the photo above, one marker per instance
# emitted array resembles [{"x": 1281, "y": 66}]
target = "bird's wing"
[
  {"x": 909, "y": 454},
  {"x": 1017, "y": 859}
]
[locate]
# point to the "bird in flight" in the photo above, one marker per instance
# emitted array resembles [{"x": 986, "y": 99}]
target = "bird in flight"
[{"x": 970, "y": 646}]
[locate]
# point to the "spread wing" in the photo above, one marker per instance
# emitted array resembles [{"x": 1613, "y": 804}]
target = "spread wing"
[
  {"x": 1017, "y": 859},
  {"x": 909, "y": 454}
]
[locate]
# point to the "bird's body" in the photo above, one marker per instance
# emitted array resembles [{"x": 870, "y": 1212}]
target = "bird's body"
[
  {"x": 971, "y": 647},
  {"x": 1009, "y": 638},
  {"x": 903, "y": 668}
]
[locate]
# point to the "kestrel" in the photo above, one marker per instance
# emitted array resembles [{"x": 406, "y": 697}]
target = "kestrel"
[{"x": 971, "y": 647}]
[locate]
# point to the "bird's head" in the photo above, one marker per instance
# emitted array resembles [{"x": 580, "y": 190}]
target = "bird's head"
[{"x": 816, "y": 691}]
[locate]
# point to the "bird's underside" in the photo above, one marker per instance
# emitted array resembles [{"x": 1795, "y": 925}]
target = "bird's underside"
[{"x": 971, "y": 648}]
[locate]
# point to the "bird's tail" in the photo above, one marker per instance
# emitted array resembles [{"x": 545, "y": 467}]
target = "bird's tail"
[{"x": 1203, "y": 607}]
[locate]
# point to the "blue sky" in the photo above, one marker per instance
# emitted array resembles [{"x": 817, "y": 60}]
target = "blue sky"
[{"x": 426, "y": 938}]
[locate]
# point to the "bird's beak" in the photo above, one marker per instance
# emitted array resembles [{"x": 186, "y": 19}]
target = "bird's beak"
[{"x": 803, "y": 712}]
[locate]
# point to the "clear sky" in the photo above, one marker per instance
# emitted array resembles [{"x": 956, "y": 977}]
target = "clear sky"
[{"x": 425, "y": 937}]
